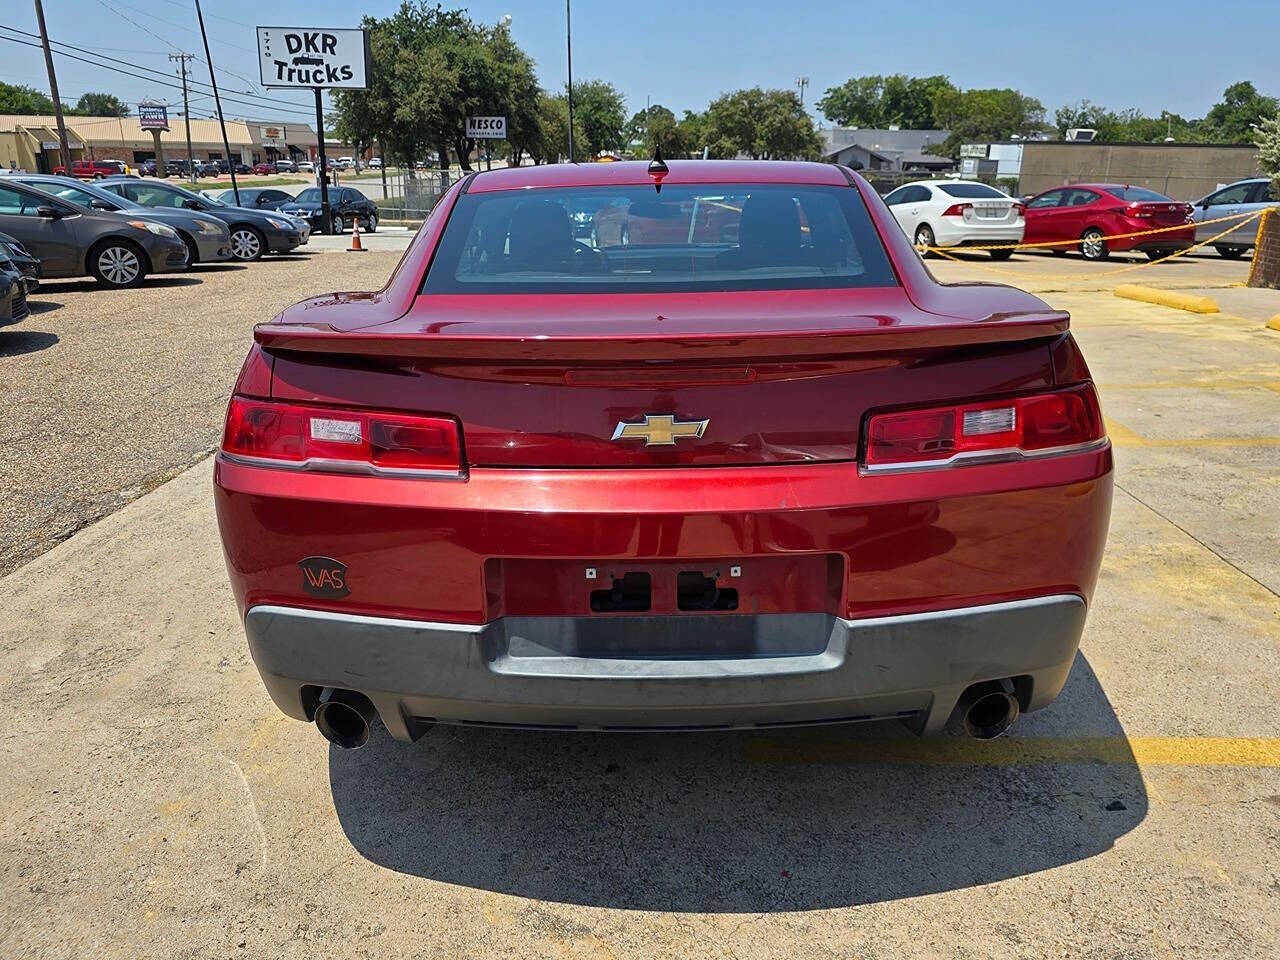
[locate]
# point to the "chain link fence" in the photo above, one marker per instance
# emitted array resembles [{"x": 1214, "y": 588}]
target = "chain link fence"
[{"x": 410, "y": 194}]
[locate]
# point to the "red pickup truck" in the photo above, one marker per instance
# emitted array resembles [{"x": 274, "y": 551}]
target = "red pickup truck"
[{"x": 93, "y": 169}]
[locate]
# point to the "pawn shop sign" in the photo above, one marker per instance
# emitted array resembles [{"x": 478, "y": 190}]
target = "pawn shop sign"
[{"x": 314, "y": 57}]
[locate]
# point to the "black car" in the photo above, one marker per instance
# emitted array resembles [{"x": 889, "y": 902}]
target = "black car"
[
  {"x": 13, "y": 293},
  {"x": 253, "y": 232},
  {"x": 207, "y": 168},
  {"x": 21, "y": 260},
  {"x": 348, "y": 206},
  {"x": 257, "y": 198}
]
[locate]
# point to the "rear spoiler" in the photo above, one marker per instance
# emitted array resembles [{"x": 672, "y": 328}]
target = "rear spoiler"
[{"x": 859, "y": 335}]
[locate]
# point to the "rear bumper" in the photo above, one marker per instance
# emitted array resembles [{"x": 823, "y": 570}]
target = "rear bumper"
[
  {"x": 796, "y": 668},
  {"x": 972, "y": 234}
]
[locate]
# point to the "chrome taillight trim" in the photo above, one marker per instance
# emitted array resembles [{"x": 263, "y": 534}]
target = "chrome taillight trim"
[
  {"x": 343, "y": 467},
  {"x": 979, "y": 457}
]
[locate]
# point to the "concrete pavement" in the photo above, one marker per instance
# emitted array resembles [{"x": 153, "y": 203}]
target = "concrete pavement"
[{"x": 158, "y": 806}]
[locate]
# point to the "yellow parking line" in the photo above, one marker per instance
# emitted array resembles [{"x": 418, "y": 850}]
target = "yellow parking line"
[
  {"x": 1025, "y": 751},
  {"x": 1122, "y": 436}
]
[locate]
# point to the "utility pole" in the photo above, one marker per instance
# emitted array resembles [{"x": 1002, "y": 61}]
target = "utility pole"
[
  {"x": 802, "y": 83},
  {"x": 182, "y": 58},
  {"x": 217, "y": 102},
  {"x": 53, "y": 90},
  {"x": 568, "y": 45}
]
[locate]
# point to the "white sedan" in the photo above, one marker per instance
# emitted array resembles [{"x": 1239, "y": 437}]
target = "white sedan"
[{"x": 957, "y": 213}]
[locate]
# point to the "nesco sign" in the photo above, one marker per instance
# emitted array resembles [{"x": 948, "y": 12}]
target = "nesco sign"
[
  {"x": 487, "y": 128},
  {"x": 313, "y": 57}
]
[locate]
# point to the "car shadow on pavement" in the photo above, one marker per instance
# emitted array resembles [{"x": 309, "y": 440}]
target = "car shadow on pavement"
[
  {"x": 150, "y": 283},
  {"x": 743, "y": 822},
  {"x": 221, "y": 267},
  {"x": 15, "y": 343}
]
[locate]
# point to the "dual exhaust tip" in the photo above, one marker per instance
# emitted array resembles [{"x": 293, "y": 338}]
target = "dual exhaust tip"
[
  {"x": 984, "y": 711},
  {"x": 343, "y": 717}
]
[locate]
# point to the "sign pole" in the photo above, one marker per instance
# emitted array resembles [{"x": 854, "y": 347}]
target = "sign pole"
[
  {"x": 155, "y": 138},
  {"x": 326, "y": 214}
]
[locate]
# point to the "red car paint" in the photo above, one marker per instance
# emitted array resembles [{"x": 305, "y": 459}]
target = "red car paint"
[
  {"x": 1082, "y": 207},
  {"x": 788, "y": 378}
]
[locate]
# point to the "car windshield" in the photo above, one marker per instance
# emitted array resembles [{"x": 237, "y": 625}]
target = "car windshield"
[
  {"x": 629, "y": 239},
  {"x": 310, "y": 195},
  {"x": 971, "y": 191},
  {"x": 1137, "y": 195}
]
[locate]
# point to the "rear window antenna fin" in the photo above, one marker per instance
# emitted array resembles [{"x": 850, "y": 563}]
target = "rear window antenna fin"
[{"x": 657, "y": 169}]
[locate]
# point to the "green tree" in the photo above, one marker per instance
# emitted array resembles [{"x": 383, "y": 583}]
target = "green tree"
[
  {"x": 695, "y": 131},
  {"x": 654, "y": 129},
  {"x": 980, "y": 115},
  {"x": 101, "y": 105},
  {"x": 552, "y": 142},
  {"x": 24, "y": 100},
  {"x": 1242, "y": 108},
  {"x": 603, "y": 113},
  {"x": 876, "y": 101},
  {"x": 763, "y": 124}
]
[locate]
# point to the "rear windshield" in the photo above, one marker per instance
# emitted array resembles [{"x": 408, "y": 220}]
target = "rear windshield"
[
  {"x": 629, "y": 239},
  {"x": 1137, "y": 195},
  {"x": 972, "y": 191}
]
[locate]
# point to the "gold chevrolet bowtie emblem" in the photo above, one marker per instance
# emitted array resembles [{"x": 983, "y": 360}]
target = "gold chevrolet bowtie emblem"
[{"x": 662, "y": 430}]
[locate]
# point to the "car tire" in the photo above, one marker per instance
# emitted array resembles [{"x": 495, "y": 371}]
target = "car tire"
[
  {"x": 97, "y": 176},
  {"x": 1158, "y": 254},
  {"x": 117, "y": 264},
  {"x": 924, "y": 238},
  {"x": 193, "y": 252},
  {"x": 1093, "y": 246},
  {"x": 1231, "y": 253},
  {"x": 1000, "y": 254},
  {"x": 247, "y": 243},
  {"x": 339, "y": 224},
  {"x": 372, "y": 225}
]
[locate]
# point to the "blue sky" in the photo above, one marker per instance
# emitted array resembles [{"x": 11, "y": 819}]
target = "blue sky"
[{"x": 1172, "y": 54}]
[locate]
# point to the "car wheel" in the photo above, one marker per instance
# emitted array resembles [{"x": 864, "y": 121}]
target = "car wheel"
[
  {"x": 97, "y": 176},
  {"x": 925, "y": 239},
  {"x": 1092, "y": 246},
  {"x": 372, "y": 226},
  {"x": 247, "y": 244},
  {"x": 1158, "y": 254},
  {"x": 118, "y": 264},
  {"x": 339, "y": 224},
  {"x": 1231, "y": 253},
  {"x": 193, "y": 252},
  {"x": 1000, "y": 254}
]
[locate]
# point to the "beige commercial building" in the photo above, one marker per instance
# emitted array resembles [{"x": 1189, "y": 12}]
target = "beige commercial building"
[
  {"x": 31, "y": 142},
  {"x": 1183, "y": 171}
]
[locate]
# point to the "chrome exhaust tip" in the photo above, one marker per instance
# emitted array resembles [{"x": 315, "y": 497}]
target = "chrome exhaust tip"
[{"x": 343, "y": 717}]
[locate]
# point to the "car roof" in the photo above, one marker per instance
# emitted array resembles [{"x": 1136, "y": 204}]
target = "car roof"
[{"x": 636, "y": 172}]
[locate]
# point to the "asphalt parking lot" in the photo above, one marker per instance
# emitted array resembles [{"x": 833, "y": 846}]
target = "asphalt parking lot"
[{"x": 158, "y": 805}]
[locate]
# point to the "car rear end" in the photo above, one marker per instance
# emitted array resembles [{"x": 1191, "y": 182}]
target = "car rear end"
[
  {"x": 1161, "y": 225},
  {"x": 977, "y": 215},
  {"x": 712, "y": 484}
]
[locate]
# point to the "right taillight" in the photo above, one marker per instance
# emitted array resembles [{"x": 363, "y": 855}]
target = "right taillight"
[
  {"x": 1015, "y": 428},
  {"x": 338, "y": 440}
]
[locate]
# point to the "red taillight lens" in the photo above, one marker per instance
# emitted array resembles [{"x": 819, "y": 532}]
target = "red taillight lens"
[
  {"x": 1137, "y": 213},
  {"x": 986, "y": 431},
  {"x": 957, "y": 209},
  {"x": 341, "y": 440},
  {"x": 1019, "y": 209}
]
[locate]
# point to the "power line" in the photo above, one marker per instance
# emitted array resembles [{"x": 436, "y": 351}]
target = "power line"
[{"x": 132, "y": 72}]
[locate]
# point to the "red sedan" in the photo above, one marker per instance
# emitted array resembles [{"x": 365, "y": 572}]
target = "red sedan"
[
  {"x": 262, "y": 169},
  {"x": 1090, "y": 216},
  {"x": 784, "y": 477}
]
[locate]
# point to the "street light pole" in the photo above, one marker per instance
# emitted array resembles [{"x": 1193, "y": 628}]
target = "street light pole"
[{"x": 568, "y": 44}]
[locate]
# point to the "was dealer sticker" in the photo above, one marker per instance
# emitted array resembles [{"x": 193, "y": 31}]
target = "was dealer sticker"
[{"x": 324, "y": 577}]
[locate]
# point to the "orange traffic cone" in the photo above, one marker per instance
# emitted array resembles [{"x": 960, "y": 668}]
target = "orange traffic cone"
[{"x": 355, "y": 237}]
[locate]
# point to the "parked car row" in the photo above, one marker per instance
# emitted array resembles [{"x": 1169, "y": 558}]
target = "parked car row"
[
  {"x": 120, "y": 229},
  {"x": 1097, "y": 219}
]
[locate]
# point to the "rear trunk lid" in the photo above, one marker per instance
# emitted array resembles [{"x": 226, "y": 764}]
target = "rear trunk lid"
[
  {"x": 991, "y": 212},
  {"x": 1159, "y": 213},
  {"x": 662, "y": 380}
]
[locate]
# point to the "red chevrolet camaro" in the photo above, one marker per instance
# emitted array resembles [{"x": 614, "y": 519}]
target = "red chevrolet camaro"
[
  {"x": 1099, "y": 219},
  {"x": 737, "y": 474}
]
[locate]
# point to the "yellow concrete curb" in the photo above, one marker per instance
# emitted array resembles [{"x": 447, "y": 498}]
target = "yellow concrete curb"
[
  {"x": 1167, "y": 298},
  {"x": 1274, "y": 323}
]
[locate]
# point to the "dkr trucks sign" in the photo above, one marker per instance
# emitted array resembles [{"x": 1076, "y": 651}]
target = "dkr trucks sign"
[{"x": 313, "y": 57}]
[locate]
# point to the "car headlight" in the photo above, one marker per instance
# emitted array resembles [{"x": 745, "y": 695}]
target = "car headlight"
[
  {"x": 280, "y": 224},
  {"x": 211, "y": 226},
  {"x": 159, "y": 229}
]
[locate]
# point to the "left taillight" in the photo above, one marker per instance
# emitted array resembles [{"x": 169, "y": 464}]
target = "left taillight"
[
  {"x": 957, "y": 209},
  {"x": 1016, "y": 428},
  {"x": 338, "y": 440}
]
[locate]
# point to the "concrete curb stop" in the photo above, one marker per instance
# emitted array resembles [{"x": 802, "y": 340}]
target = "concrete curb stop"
[
  {"x": 1167, "y": 298},
  {"x": 1274, "y": 323}
]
